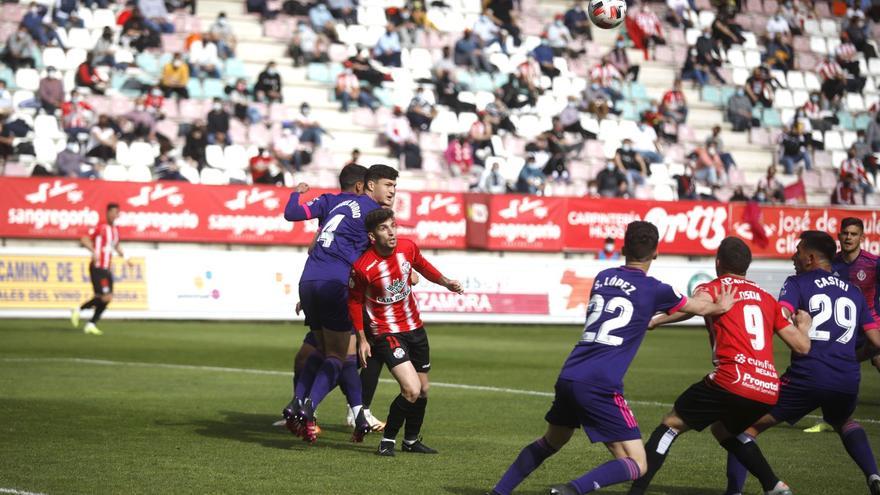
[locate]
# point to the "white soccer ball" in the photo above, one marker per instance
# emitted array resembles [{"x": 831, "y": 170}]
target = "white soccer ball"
[{"x": 607, "y": 14}]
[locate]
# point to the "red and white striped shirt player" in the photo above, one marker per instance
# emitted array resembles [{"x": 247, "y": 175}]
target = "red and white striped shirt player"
[
  {"x": 105, "y": 240},
  {"x": 830, "y": 69},
  {"x": 101, "y": 240}
]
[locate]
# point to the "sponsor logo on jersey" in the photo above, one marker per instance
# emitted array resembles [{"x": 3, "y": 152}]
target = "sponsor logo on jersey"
[{"x": 740, "y": 358}]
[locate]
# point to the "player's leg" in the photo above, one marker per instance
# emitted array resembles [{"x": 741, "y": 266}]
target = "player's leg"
[
  {"x": 744, "y": 456},
  {"x": 369, "y": 384},
  {"x": 403, "y": 405},
  {"x": 657, "y": 448},
  {"x": 629, "y": 463},
  {"x": 837, "y": 411},
  {"x": 533, "y": 455},
  {"x": 104, "y": 289},
  {"x": 420, "y": 357}
]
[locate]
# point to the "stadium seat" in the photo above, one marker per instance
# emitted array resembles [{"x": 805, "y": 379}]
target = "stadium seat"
[
  {"x": 190, "y": 173},
  {"x": 140, "y": 153},
  {"x": 80, "y": 38},
  {"x": 796, "y": 80},
  {"x": 54, "y": 57},
  {"x": 833, "y": 141},
  {"x": 849, "y": 137},
  {"x": 862, "y": 121},
  {"x": 27, "y": 79},
  {"x": 194, "y": 87},
  {"x": 235, "y": 157},
  {"x": 811, "y": 26},
  {"x": 102, "y": 18},
  {"x": 811, "y": 81},
  {"x": 783, "y": 99},
  {"x": 319, "y": 73},
  {"x": 213, "y": 88},
  {"x": 752, "y": 59},
  {"x": 846, "y": 120},
  {"x": 140, "y": 173},
  {"x": 148, "y": 63},
  {"x": 75, "y": 56},
  {"x": 817, "y": 45},
  {"x": 214, "y": 156},
  {"x": 237, "y": 176},
  {"x": 44, "y": 149},
  {"x": 46, "y": 126},
  {"x": 740, "y": 75},
  {"x": 829, "y": 27},
  {"x": 800, "y": 97},
  {"x": 213, "y": 176},
  {"x": 115, "y": 173},
  {"x": 855, "y": 103}
]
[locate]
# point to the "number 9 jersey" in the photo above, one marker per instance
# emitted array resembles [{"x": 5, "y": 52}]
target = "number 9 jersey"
[
  {"x": 839, "y": 311},
  {"x": 742, "y": 340}
]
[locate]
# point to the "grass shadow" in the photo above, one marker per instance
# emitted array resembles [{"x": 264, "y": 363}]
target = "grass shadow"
[{"x": 461, "y": 490}]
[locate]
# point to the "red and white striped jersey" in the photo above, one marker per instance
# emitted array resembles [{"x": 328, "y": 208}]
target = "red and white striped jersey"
[
  {"x": 649, "y": 24},
  {"x": 846, "y": 52},
  {"x": 674, "y": 100},
  {"x": 104, "y": 237},
  {"x": 829, "y": 69},
  {"x": 382, "y": 285},
  {"x": 605, "y": 74},
  {"x": 855, "y": 167}
]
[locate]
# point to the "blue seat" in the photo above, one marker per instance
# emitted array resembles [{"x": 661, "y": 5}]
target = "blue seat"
[
  {"x": 195, "y": 88},
  {"x": 712, "y": 94},
  {"x": 500, "y": 79},
  {"x": 862, "y": 121},
  {"x": 638, "y": 91},
  {"x": 726, "y": 93},
  {"x": 846, "y": 120},
  {"x": 234, "y": 69},
  {"x": 384, "y": 96},
  {"x": 335, "y": 69},
  {"x": 148, "y": 63},
  {"x": 771, "y": 118},
  {"x": 628, "y": 110},
  {"x": 7, "y": 75},
  {"x": 483, "y": 82},
  {"x": 319, "y": 73},
  {"x": 213, "y": 88}
]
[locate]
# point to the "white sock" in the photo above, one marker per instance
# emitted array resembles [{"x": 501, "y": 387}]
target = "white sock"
[
  {"x": 356, "y": 410},
  {"x": 389, "y": 440},
  {"x": 410, "y": 442}
]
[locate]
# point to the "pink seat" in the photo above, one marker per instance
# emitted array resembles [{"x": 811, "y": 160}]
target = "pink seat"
[
  {"x": 759, "y": 136},
  {"x": 812, "y": 180},
  {"x": 822, "y": 10},
  {"x": 259, "y": 135},
  {"x": 100, "y": 104},
  {"x": 828, "y": 178},
  {"x": 754, "y": 6},
  {"x": 276, "y": 29},
  {"x": 237, "y": 132},
  {"x": 169, "y": 108},
  {"x": 686, "y": 134},
  {"x": 801, "y": 44},
  {"x": 363, "y": 117},
  {"x": 338, "y": 53},
  {"x": 120, "y": 105},
  {"x": 192, "y": 110},
  {"x": 770, "y": 7},
  {"x": 736, "y": 177},
  {"x": 823, "y": 159},
  {"x": 172, "y": 43},
  {"x": 168, "y": 128},
  {"x": 15, "y": 169}
]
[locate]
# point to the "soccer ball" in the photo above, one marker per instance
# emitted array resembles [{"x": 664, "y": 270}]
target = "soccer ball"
[{"x": 607, "y": 14}]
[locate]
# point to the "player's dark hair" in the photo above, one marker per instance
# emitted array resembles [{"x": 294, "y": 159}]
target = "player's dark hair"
[
  {"x": 850, "y": 221},
  {"x": 351, "y": 175},
  {"x": 110, "y": 206},
  {"x": 734, "y": 256},
  {"x": 376, "y": 172},
  {"x": 819, "y": 242},
  {"x": 640, "y": 241},
  {"x": 377, "y": 217}
]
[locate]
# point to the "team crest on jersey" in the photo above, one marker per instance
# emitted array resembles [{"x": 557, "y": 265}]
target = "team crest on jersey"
[
  {"x": 740, "y": 358},
  {"x": 861, "y": 275},
  {"x": 399, "y": 353}
]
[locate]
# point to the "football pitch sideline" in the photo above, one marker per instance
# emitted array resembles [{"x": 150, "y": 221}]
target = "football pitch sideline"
[{"x": 188, "y": 407}]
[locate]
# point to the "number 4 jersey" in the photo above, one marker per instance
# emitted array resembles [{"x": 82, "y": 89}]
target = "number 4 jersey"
[
  {"x": 622, "y": 302},
  {"x": 839, "y": 311},
  {"x": 742, "y": 340}
]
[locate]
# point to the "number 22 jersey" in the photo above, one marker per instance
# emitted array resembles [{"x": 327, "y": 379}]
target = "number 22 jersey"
[{"x": 622, "y": 302}]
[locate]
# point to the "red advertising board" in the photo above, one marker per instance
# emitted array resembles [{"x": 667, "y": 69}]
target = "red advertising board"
[{"x": 525, "y": 223}]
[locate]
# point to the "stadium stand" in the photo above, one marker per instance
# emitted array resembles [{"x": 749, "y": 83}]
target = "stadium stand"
[{"x": 493, "y": 94}]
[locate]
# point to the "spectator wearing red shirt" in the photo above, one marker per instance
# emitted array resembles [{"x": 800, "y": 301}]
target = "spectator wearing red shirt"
[
  {"x": 262, "y": 166},
  {"x": 845, "y": 191},
  {"x": 87, "y": 76},
  {"x": 674, "y": 103},
  {"x": 76, "y": 115},
  {"x": 459, "y": 155}
]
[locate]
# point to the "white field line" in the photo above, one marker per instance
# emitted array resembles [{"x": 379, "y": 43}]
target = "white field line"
[
  {"x": 13, "y": 491},
  {"x": 252, "y": 371}
]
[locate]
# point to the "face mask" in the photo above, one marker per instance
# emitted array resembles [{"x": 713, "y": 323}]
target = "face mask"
[
  {"x": 217, "y": 106},
  {"x": 72, "y": 147},
  {"x": 814, "y": 99},
  {"x": 619, "y": 44},
  {"x": 176, "y": 64},
  {"x": 626, "y": 147},
  {"x": 156, "y": 92},
  {"x": 761, "y": 196},
  {"x": 594, "y": 85},
  {"x": 51, "y": 74},
  {"x": 740, "y": 92},
  {"x": 270, "y": 71},
  {"x": 221, "y": 21},
  {"x": 75, "y": 99},
  {"x": 609, "y": 247},
  {"x": 609, "y": 166},
  {"x": 306, "y": 112}
]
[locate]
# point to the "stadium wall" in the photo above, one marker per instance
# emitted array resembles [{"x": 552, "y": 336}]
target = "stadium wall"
[{"x": 215, "y": 284}]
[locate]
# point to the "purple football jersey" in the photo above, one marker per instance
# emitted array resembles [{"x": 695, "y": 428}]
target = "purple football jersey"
[
  {"x": 622, "y": 302},
  {"x": 343, "y": 237},
  {"x": 839, "y": 313},
  {"x": 864, "y": 273}
]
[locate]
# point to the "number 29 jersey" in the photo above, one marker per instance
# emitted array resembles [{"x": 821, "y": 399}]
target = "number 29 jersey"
[
  {"x": 839, "y": 311},
  {"x": 622, "y": 302},
  {"x": 742, "y": 340}
]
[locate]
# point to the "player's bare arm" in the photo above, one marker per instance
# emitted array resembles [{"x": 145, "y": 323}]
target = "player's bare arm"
[
  {"x": 452, "y": 285},
  {"x": 363, "y": 348},
  {"x": 302, "y": 188},
  {"x": 724, "y": 300},
  {"x": 87, "y": 243},
  {"x": 679, "y": 316}
]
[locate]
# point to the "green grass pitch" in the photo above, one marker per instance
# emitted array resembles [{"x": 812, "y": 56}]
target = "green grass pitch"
[{"x": 75, "y": 418}]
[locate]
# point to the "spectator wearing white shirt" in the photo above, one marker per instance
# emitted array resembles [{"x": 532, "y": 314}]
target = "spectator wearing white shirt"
[
  {"x": 778, "y": 24},
  {"x": 491, "y": 181},
  {"x": 224, "y": 36},
  {"x": 486, "y": 30},
  {"x": 5, "y": 100},
  {"x": 560, "y": 39},
  {"x": 387, "y": 50},
  {"x": 308, "y": 128},
  {"x": 204, "y": 57},
  {"x": 289, "y": 152},
  {"x": 679, "y": 13},
  {"x": 645, "y": 143},
  {"x": 398, "y": 132}
]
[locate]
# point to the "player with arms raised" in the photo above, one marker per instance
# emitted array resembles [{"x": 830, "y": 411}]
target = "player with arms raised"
[
  {"x": 380, "y": 283},
  {"x": 828, "y": 376},
  {"x": 744, "y": 385},
  {"x": 589, "y": 390}
]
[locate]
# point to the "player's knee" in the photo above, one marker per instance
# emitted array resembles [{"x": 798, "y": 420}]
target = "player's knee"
[
  {"x": 643, "y": 466},
  {"x": 106, "y": 298},
  {"x": 846, "y": 427},
  {"x": 410, "y": 393},
  {"x": 424, "y": 390}
]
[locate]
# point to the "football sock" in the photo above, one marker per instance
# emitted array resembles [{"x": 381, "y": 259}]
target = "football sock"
[
  {"x": 736, "y": 475},
  {"x": 397, "y": 413},
  {"x": 90, "y": 303},
  {"x": 370, "y": 379},
  {"x": 350, "y": 383},
  {"x": 610, "y": 473},
  {"x": 414, "y": 419},
  {"x": 749, "y": 454},
  {"x": 656, "y": 448},
  {"x": 306, "y": 376},
  {"x": 856, "y": 443},
  {"x": 100, "y": 306},
  {"x": 325, "y": 380},
  {"x": 527, "y": 461}
]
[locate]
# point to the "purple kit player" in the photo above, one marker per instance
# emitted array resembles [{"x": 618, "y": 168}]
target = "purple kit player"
[
  {"x": 323, "y": 290},
  {"x": 828, "y": 376},
  {"x": 589, "y": 390}
]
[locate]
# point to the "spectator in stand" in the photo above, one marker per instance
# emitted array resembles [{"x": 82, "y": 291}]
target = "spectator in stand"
[
  {"x": 65, "y": 13},
  {"x": 620, "y": 60},
  {"x": 420, "y": 111},
  {"x": 408, "y": 25},
  {"x": 560, "y": 39},
  {"x": 88, "y": 77},
  {"x": 596, "y": 101},
  {"x": 818, "y": 112},
  {"x": 175, "y": 77},
  {"x": 447, "y": 92},
  {"x": 709, "y": 168},
  {"x": 794, "y": 148},
  {"x": 499, "y": 114},
  {"x": 355, "y": 158},
  {"x": 480, "y": 136},
  {"x": 650, "y": 28},
  {"x": 102, "y": 140},
  {"x": 543, "y": 55},
  {"x": 570, "y": 117},
  {"x": 348, "y": 89},
  {"x": 611, "y": 182},
  {"x": 631, "y": 163},
  {"x": 854, "y": 167},
  {"x": 322, "y": 21},
  {"x": 715, "y": 140},
  {"x": 261, "y": 7},
  {"x": 388, "y": 50},
  {"x": 194, "y": 145},
  {"x": 769, "y": 189},
  {"x": 104, "y": 52},
  {"x": 487, "y": 30},
  {"x": 502, "y": 12},
  {"x": 739, "y": 111},
  {"x": 726, "y": 32},
  {"x": 872, "y": 134},
  {"x": 33, "y": 21},
  {"x": 268, "y": 86},
  {"x": 239, "y": 95},
  {"x": 674, "y": 104},
  {"x": 290, "y": 152},
  {"x": 578, "y": 22},
  {"x": 864, "y": 153},
  {"x": 224, "y": 36},
  {"x": 459, "y": 155},
  {"x": 759, "y": 89},
  {"x": 20, "y": 49},
  {"x": 686, "y": 183},
  {"x": 846, "y": 54},
  {"x": 363, "y": 68},
  {"x": 608, "y": 252},
  {"x": 680, "y": 13},
  {"x": 71, "y": 163},
  {"x": 519, "y": 92},
  {"x": 343, "y": 10},
  {"x": 531, "y": 179},
  {"x": 491, "y": 180},
  {"x": 165, "y": 167},
  {"x": 156, "y": 15},
  {"x": 739, "y": 194},
  {"x": 307, "y": 46},
  {"x": 779, "y": 54},
  {"x": 398, "y": 133},
  {"x": 860, "y": 35},
  {"x": 50, "y": 93},
  {"x": 204, "y": 57},
  {"x": 309, "y": 130},
  {"x": 530, "y": 70},
  {"x": 218, "y": 121},
  {"x": 708, "y": 56},
  {"x": 645, "y": 143},
  {"x": 606, "y": 75},
  {"x": 559, "y": 148},
  {"x": 844, "y": 193},
  {"x": 136, "y": 31},
  {"x": 835, "y": 82},
  {"x": 692, "y": 70},
  {"x": 76, "y": 115},
  {"x": 778, "y": 24},
  {"x": 138, "y": 123},
  {"x": 264, "y": 170},
  {"x": 6, "y": 107},
  {"x": 468, "y": 52}
]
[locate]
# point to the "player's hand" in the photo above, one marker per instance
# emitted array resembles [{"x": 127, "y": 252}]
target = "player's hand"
[
  {"x": 299, "y": 307},
  {"x": 414, "y": 278},
  {"x": 302, "y": 188},
  {"x": 364, "y": 350},
  {"x": 803, "y": 321},
  {"x": 454, "y": 286},
  {"x": 726, "y": 298}
]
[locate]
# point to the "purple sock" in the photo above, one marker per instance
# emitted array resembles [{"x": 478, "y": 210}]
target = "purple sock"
[
  {"x": 856, "y": 443},
  {"x": 610, "y": 473},
  {"x": 325, "y": 380},
  {"x": 736, "y": 475},
  {"x": 350, "y": 382},
  {"x": 306, "y": 375},
  {"x": 527, "y": 461}
]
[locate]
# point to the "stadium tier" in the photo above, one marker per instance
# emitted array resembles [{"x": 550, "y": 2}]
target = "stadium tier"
[{"x": 456, "y": 96}]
